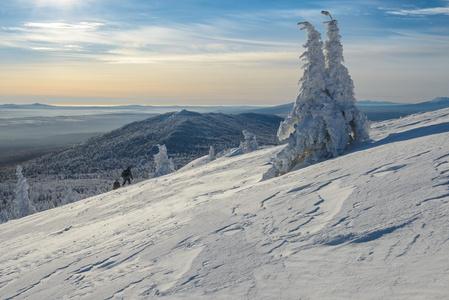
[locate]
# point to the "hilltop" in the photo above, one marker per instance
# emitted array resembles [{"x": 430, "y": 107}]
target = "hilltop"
[
  {"x": 372, "y": 223},
  {"x": 187, "y": 135}
]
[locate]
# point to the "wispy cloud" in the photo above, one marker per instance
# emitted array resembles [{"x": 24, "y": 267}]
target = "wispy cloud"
[
  {"x": 81, "y": 26},
  {"x": 112, "y": 42},
  {"x": 421, "y": 11},
  {"x": 233, "y": 35},
  {"x": 51, "y": 35},
  {"x": 240, "y": 58}
]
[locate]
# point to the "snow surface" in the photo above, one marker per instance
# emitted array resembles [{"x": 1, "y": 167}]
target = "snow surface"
[{"x": 370, "y": 224}]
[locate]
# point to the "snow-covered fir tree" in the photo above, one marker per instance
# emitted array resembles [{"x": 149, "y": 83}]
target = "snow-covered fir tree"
[
  {"x": 164, "y": 165},
  {"x": 319, "y": 125},
  {"x": 340, "y": 85},
  {"x": 250, "y": 144},
  {"x": 22, "y": 204},
  {"x": 313, "y": 82},
  {"x": 211, "y": 153}
]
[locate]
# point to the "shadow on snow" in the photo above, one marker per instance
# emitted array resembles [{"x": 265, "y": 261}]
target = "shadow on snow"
[{"x": 408, "y": 135}]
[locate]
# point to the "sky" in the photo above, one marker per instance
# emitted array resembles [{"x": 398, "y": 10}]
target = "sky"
[{"x": 204, "y": 52}]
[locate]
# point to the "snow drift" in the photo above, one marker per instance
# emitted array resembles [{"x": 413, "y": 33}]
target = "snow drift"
[{"x": 370, "y": 224}]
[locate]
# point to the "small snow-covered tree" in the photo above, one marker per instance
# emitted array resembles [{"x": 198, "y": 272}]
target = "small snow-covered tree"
[
  {"x": 164, "y": 165},
  {"x": 3, "y": 216},
  {"x": 22, "y": 204},
  {"x": 211, "y": 153},
  {"x": 70, "y": 197},
  {"x": 317, "y": 127},
  {"x": 250, "y": 144}
]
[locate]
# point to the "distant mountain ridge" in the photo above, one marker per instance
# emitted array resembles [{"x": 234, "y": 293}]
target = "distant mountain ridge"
[
  {"x": 187, "y": 135},
  {"x": 384, "y": 112},
  {"x": 18, "y": 106},
  {"x": 133, "y": 107},
  {"x": 375, "y": 111},
  {"x": 440, "y": 100},
  {"x": 370, "y": 102}
]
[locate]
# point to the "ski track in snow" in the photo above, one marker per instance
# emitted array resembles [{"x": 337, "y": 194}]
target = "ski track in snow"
[{"x": 369, "y": 224}]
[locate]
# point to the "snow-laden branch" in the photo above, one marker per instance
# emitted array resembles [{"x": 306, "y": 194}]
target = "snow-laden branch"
[{"x": 326, "y": 13}]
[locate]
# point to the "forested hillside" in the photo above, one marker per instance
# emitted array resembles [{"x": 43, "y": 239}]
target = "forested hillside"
[
  {"x": 91, "y": 167},
  {"x": 187, "y": 135}
]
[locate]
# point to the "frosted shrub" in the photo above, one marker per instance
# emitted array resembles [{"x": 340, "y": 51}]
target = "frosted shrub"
[
  {"x": 22, "y": 204},
  {"x": 250, "y": 144},
  {"x": 164, "y": 165}
]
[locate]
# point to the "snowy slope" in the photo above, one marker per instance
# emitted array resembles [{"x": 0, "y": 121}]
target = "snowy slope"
[{"x": 371, "y": 224}]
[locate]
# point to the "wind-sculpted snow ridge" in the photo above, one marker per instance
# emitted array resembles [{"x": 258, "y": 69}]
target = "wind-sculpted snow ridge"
[{"x": 370, "y": 224}]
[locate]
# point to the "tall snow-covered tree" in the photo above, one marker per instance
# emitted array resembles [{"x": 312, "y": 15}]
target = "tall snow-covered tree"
[
  {"x": 22, "y": 204},
  {"x": 317, "y": 127},
  {"x": 164, "y": 165},
  {"x": 340, "y": 85},
  {"x": 304, "y": 126},
  {"x": 250, "y": 144},
  {"x": 312, "y": 83}
]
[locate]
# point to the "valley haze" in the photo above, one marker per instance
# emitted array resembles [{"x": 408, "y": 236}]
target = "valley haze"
[
  {"x": 31, "y": 130},
  {"x": 28, "y": 131}
]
